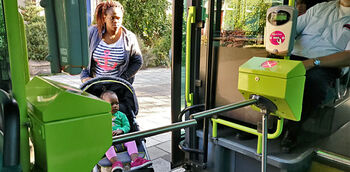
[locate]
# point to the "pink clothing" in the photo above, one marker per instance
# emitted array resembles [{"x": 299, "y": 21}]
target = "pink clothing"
[{"x": 130, "y": 146}]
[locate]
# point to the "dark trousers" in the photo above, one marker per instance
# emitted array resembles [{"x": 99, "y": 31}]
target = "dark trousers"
[{"x": 319, "y": 91}]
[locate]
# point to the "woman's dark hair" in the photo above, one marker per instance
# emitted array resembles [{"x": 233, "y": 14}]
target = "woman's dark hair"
[{"x": 101, "y": 11}]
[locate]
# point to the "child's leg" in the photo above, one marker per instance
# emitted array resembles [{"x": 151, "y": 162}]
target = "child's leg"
[
  {"x": 132, "y": 149},
  {"x": 136, "y": 162},
  {"x": 111, "y": 155}
]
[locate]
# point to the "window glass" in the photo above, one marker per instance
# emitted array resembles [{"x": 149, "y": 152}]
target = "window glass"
[
  {"x": 4, "y": 57},
  {"x": 243, "y": 21}
]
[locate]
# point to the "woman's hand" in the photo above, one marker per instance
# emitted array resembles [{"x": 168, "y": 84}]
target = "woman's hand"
[{"x": 85, "y": 79}]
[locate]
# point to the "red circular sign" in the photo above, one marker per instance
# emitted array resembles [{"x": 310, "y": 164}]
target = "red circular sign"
[
  {"x": 277, "y": 37},
  {"x": 269, "y": 64}
]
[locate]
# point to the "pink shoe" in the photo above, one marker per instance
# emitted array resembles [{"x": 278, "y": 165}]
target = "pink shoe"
[
  {"x": 140, "y": 163},
  {"x": 117, "y": 166}
]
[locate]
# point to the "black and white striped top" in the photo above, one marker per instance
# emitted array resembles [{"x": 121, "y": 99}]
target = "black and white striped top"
[{"x": 109, "y": 57}]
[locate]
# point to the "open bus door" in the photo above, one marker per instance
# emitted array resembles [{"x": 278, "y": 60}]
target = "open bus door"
[
  {"x": 234, "y": 33},
  {"x": 37, "y": 104}
]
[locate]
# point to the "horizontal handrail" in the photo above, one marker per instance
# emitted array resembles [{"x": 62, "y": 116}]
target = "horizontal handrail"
[
  {"x": 224, "y": 108},
  {"x": 151, "y": 132},
  {"x": 179, "y": 125}
]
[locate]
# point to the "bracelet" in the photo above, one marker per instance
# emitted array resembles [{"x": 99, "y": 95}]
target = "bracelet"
[{"x": 317, "y": 62}]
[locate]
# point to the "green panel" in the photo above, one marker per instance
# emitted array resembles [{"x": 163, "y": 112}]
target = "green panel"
[
  {"x": 71, "y": 145},
  {"x": 51, "y": 28},
  {"x": 283, "y": 68},
  {"x": 70, "y": 129},
  {"x": 265, "y": 86},
  {"x": 69, "y": 16},
  {"x": 17, "y": 49},
  {"x": 283, "y": 84},
  {"x": 52, "y": 101}
]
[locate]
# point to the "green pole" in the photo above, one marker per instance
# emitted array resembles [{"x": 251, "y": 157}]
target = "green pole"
[
  {"x": 19, "y": 72},
  {"x": 190, "y": 19},
  {"x": 291, "y": 3},
  {"x": 215, "y": 128},
  {"x": 259, "y": 146}
]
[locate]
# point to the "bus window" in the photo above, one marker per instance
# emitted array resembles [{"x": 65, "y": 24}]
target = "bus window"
[
  {"x": 243, "y": 21},
  {"x": 4, "y": 56}
]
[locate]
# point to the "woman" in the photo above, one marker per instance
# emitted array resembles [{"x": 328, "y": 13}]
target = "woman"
[{"x": 113, "y": 50}]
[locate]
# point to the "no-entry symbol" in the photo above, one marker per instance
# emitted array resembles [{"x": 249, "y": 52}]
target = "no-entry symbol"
[{"x": 269, "y": 64}]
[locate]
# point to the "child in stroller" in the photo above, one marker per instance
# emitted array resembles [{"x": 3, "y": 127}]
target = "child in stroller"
[
  {"x": 129, "y": 106},
  {"x": 120, "y": 125}
]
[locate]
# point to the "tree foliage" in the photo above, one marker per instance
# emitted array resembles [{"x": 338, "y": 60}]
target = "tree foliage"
[
  {"x": 4, "y": 60},
  {"x": 148, "y": 19},
  {"x": 3, "y": 40},
  {"x": 36, "y": 34},
  {"x": 248, "y": 15}
]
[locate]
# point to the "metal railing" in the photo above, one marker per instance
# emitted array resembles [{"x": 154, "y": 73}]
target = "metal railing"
[{"x": 180, "y": 125}]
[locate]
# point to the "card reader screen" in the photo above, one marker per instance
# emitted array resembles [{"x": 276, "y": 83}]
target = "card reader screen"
[{"x": 279, "y": 17}]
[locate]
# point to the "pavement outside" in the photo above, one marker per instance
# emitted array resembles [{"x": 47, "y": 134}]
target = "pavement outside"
[{"x": 152, "y": 87}]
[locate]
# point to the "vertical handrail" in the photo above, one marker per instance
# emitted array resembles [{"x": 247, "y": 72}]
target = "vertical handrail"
[
  {"x": 291, "y": 3},
  {"x": 19, "y": 72},
  {"x": 190, "y": 19},
  {"x": 264, "y": 142}
]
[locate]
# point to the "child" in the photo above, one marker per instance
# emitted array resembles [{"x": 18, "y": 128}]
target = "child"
[{"x": 120, "y": 125}]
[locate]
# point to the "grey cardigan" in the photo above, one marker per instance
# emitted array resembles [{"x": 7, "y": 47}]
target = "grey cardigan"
[{"x": 133, "y": 56}]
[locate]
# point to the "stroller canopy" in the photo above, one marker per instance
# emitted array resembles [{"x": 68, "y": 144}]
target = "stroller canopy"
[{"x": 123, "y": 89}]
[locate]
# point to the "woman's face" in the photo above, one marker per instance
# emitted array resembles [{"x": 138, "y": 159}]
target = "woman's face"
[{"x": 113, "y": 19}]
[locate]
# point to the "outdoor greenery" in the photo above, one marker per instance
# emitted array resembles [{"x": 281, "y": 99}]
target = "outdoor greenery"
[
  {"x": 249, "y": 16},
  {"x": 244, "y": 21},
  {"x": 4, "y": 60},
  {"x": 148, "y": 20},
  {"x": 37, "y": 43}
]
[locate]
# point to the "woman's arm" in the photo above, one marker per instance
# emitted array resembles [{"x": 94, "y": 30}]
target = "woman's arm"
[{"x": 135, "y": 61}]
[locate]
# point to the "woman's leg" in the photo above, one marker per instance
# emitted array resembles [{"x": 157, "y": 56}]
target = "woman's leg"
[{"x": 132, "y": 149}]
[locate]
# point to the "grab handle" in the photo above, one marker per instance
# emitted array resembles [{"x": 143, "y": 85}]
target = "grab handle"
[{"x": 190, "y": 19}]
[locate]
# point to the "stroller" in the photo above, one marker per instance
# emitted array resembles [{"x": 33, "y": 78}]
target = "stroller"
[{"x": 129, "y": 106}]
